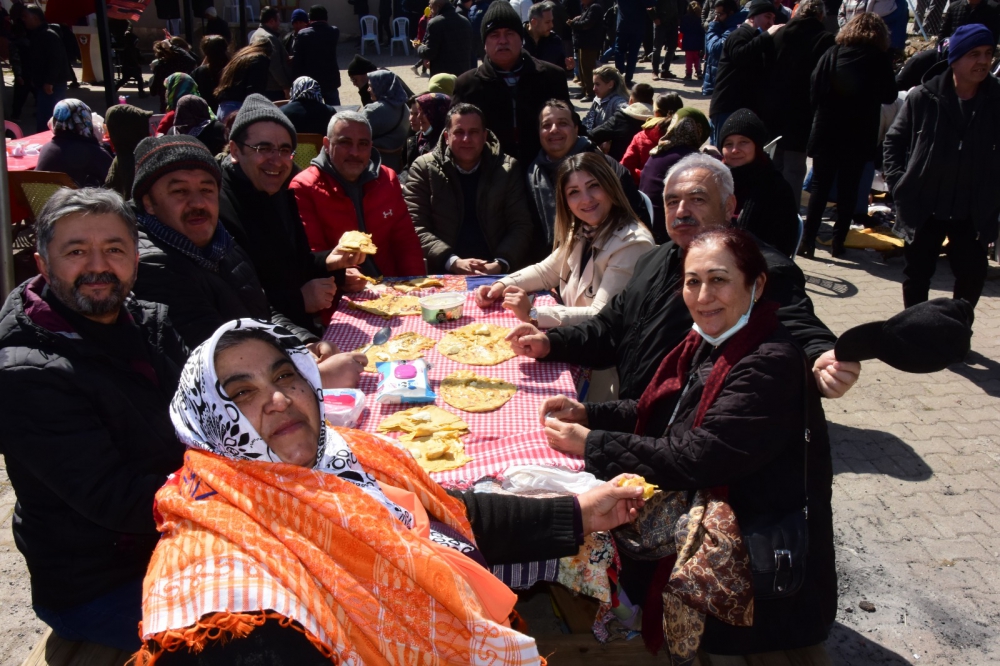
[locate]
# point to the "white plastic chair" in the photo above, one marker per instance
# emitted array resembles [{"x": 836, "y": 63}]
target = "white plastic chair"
[
  {"x": 13, "y": 128},
  {"x": 369, "y": 32},
  {"x": 231, "y": 11},
  {"x": 400, "y": 33},
  {"x": 771, "y": 147},
  {"x": 649, "y": 204}
]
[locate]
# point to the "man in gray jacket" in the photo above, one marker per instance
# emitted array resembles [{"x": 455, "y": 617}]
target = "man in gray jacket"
[{"x": 279, "y": 77}]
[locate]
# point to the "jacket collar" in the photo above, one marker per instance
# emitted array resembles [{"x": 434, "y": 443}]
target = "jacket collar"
[
  {"x": 527, "y": 64},
  {"x": 323, "y": 163},
  {"x": 491, "y": 150},
  {"x": 44, "y": 316}
]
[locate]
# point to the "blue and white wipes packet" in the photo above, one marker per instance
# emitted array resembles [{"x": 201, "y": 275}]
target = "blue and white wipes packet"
[{"x": 403, "y": 382}]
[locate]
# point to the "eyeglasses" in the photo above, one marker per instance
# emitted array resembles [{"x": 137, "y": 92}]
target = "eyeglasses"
[{"x": 268, "y": 150}]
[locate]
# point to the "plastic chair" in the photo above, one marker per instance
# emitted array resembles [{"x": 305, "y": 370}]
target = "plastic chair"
[
  {"x": 231, "y": 11},
  {"x": 154, "y": 122},
  {"x": 771, "y": 147},
  {"x": 400, "y": 33},
  {"x": 32, "y": 189},
  {"x": 13, "y": 128},
  {"x": 649, "y": 204},
  {"x": 369, "y": 33},
  {"x": 308, "y": 148}
]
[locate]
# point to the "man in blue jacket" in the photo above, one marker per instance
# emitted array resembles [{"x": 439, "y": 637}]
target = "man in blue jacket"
[{"x": 727, "y": 18}]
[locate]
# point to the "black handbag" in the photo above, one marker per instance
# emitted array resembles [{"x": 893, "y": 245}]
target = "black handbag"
[{"x": 778, "y": 545}]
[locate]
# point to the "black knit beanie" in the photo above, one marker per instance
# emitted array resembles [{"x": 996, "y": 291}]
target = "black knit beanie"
[
  {"x": 156, "y": 156},
  {"x": 746, "y": 123},
  {"x": 257, "y": 108},
  {"x": 361, "y": 65},
  {"x": 501, "y": 15}
]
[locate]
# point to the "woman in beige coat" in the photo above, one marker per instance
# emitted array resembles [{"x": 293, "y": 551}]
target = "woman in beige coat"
[{"x": 598, "y": 239}]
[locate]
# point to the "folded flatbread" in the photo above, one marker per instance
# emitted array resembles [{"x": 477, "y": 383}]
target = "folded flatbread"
[{"x": 356, "y": 241}]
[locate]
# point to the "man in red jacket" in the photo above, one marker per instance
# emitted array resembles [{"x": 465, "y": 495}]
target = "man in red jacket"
[{"x": 347, "y": 189}]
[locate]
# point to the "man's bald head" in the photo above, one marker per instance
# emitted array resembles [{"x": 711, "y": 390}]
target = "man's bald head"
[{"x": 697, "y": 196}]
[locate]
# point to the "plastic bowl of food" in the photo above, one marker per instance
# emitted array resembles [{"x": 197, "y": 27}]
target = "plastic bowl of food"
[{"x": 442, "y": 307}]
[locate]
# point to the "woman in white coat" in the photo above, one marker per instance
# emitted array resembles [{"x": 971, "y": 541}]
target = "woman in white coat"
[{"x": 598, "y": 239}]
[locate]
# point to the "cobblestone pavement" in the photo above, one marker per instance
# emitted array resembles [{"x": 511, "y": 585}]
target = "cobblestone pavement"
[{"x": 917, "y": 476}]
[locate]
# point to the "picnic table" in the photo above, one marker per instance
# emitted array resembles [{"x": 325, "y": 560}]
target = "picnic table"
[
  {"x": 508, "y": 436},
  {"x": 28, "y": 162}
]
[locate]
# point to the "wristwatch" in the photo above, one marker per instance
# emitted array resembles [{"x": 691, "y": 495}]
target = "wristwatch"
[{"x": 533, "y": 316}]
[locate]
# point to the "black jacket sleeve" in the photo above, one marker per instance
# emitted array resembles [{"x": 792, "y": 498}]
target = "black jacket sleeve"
[
  {"x": 593, "y": 342},
  {"x": 509, "y": 528},
  {"x": 617, "y": 125},
  {"x": 617, "y": 415},
  {"x": 194, "y": 317},
  {"x": 786, "y": 285},
  {"x": 743, "y": 430}
]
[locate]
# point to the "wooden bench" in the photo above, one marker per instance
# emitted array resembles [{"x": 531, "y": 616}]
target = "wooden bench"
[{"x": 54, "y": 651}]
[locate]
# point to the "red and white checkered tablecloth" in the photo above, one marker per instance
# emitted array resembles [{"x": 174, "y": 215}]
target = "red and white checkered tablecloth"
[{"x": 497, "y": 440}]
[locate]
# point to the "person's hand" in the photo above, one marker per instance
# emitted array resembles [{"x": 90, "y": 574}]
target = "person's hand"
[
  {"x": 609, "y": 505},
  {"x": 322, "y": 350},
  {"x": 570, "y": 63},
  {"x": 835, "y": 378},
  {"x": 526, "y": 340},
  {"x": 565, "y": 409},
  {"x": 467, "y": 266},
  {"x": 47, "y": 88},
  {"x": 337, "y": 260},
  {"x": 488, "y": 294},
  {"x": 516, "y": 300},
  {"x": 353, "y": 282},
  {"x": 491, "y": 268},
  {"x": 318, "y": 294},
  {"x": 775, "y": 28},
  {"x": 342, "y": 370},
  {"x": 569, "y": 438}
]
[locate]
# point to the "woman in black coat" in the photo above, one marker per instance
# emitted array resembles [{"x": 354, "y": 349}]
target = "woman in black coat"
[
  {"x": 306, "y": 108},
  {"x": 849, "y": 86},
  {"x": 765, "y": 203},
  {"x": 728, "y": 407}
]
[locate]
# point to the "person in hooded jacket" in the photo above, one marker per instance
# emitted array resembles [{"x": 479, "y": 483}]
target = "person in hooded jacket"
[
  {"x": 726, "y": 17},
  {"x": 388, "y": 116},
  {"x": 194, "y": 118},
  {"x": 428, "y": 116},
  {"x": 785, "y": 108},
  {"x": 637, "y": 153},
  {"x": 621, "y": 128},
  {"x": 765, "y": 203},
  {"x": 942, "y": 164},
  {"x": 126, "y": 126},
  {"x": 850, "y": 84}
]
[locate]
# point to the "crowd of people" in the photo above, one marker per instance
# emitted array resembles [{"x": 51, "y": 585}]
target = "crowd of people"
[{"x": 178, "y": 315}]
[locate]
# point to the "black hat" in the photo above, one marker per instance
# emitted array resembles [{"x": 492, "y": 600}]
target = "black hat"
[
  {"x": 257, "y": 108},
  {"x": 361, "y": 65},
  {"x": 926, "y": 337},
  {"x": 156, "y": 156},
  {"x": 501, "y": 15},
  {"x": 746, "y": 123},
  {"x": 755, "y": 7}
]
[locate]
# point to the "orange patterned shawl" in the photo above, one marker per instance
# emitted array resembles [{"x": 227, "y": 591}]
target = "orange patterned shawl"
[{"x": 243, "y": 536}]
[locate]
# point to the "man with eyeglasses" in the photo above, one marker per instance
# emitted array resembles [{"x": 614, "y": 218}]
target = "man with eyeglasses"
[
  {"x": 259, "y": 210},
  {"x": 193, "y": 265}
]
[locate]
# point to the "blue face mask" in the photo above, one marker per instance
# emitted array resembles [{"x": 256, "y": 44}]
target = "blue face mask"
[{"x": 725, "y": 335}]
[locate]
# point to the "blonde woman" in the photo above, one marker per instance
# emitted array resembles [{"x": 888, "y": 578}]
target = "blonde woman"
[
  {"x": 610, "y": 94},
  {"x": 598, "y": 239}
]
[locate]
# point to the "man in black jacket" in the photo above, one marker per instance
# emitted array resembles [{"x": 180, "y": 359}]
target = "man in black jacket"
[
  {"x": 260, "y": 212},
  {"x": 192, "y": 264},
  {"x": 86, "y": 383},
  {"x": 447, "y": 44},
  {"x": 539, "y": 39},
  {"x": 648, "y": 318},
  {"x": 510, "y": 86},
  {"x": 964, "y": 12},
  {"x": 314, "y": 54},
  {"x": 46, "y": 65},
  {"x": 941, "y": 166},
  {"x": 747, "y": 57}
]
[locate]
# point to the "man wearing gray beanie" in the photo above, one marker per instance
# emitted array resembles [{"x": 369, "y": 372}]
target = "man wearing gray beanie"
[
  {"x": 942, "y": 168},
  {"x": 260, "y": 212},
  {"x": 510, "y": 86}
]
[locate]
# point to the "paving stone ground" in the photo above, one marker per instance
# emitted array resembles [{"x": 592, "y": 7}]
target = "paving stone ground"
[{"x": 917, "y": 475}]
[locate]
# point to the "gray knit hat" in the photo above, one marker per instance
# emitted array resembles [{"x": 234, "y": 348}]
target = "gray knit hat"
[
  {"x": 257, "y": 108},
  {"x": 156, "y": 156}
]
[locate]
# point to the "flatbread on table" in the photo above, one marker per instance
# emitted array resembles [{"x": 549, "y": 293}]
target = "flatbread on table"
[
  {"x": 406, "y": 286},
  {"x": 438, "y": 452},
  {"x": 477, "y": 344},
  {"x": 423, "y": 421},
  {"x": 389, "y": 305},
  {"x": 356, "y": 241},
  {"x": 407, "y": 346},
  {"x": 470, "y": 392}
]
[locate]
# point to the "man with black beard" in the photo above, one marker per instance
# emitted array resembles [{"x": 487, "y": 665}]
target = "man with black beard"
[{"x": 86, "y": 377}]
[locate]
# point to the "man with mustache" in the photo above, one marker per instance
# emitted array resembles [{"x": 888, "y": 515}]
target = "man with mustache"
[
  {"x": 190, "y": 262},
  {"x": 648, "y": 318},
  {"x": 346, "y": 188},
  {"x": 942, "y": 167},
  {"x": 85, "y": 382}
]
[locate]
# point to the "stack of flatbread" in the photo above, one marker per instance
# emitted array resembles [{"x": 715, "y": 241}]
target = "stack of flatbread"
[
  {"x": 356, "y": 241},
  {"x": 407, "y": 286},
  {"x": 432, "y": 436},
  {"x": 477, "y": 344},
  {"x": 470, "y": 392},
  {"x": 389, "y": 305},
  {"x": 407, "y": 346}
]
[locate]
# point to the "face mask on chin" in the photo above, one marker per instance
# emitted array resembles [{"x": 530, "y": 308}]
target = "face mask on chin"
[{"x": 725, "y": 335}]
